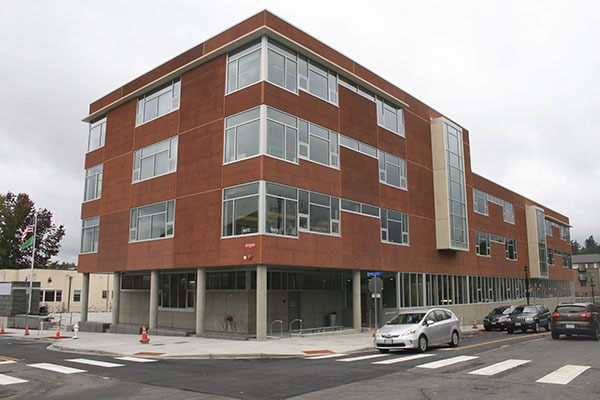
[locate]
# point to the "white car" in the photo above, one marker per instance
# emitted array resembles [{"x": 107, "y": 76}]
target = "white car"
[{"x": 418, "y": 330}]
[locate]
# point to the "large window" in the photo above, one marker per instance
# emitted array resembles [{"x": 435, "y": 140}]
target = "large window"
[
  {"x": 511, "y": 249},
  {"x": 483, "y": 243},
  {"x": 392, "y": 170},
  {"x": 155, "y": 160},
  {"x": 281, "y": 210},
  {"x": 318, "y": 144},
  {"x": 318, "y": 212},
  {"x": 243, "y": 66},
  {"x": 317, "y": 80},
  {"x": 282, "y": 66},
  {"x": 390, "y": 117},
  {"x": 480, "y": 205},
  {"x": 97, "y": 134},
  {"x": 282, "y": 135},
  {"x": 89, "y": 235},
  {"x": 394, "y": 227},
  {"x": 242, "y": 135},
  {"x": 457, "y": 188},
  {"x": 135, "y": 281},
  {"x": 93, "y": 182},
  {"x": 154, "y": 221},
  {"x": 158, "y": 102},
  {"x": 226, "y": 280},
  {"x": 240, "y": 210},
  {"x": 480, "y": 202},
  {"x": 177, "y": 290}
]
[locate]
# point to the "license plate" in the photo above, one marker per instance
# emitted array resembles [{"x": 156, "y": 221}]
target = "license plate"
[
  {"x": 493, "y": 323},
  {"x": 387, "y": 341},
  {"x": 517, "y": 324},
  {"x": 570, "y": 326}
]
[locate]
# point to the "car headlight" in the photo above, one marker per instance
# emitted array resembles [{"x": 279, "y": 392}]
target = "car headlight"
[
  {"x": 409, "y": 332},
  {"x": 502, "y": 319},
  {"x": 529, "y": 319}
]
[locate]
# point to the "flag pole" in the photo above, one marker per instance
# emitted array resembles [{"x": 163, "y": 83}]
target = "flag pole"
[{"x": 31, "y": 275}]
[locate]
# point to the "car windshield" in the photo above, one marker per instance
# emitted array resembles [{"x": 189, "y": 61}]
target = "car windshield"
[
  {"x": 570, "y": 309},
  {"x": 508, "y": 310},
  {"x": 530, "y": 310},
  {"x": 497, "y": 311},
  {"x": 406, "y": 319}
]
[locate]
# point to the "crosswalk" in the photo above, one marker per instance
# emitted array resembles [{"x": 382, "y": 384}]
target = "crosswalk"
[
  {"x": 561, "y": 376},
  {"x": 66, "y": 369}
]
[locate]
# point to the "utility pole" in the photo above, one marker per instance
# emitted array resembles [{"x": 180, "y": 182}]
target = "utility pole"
[{"x": 527, "y": 294}]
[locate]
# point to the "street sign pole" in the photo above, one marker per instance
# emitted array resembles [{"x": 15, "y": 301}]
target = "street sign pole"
[
  {"x": 375, "y": 298},
  {"x": 375, "y": 287}
]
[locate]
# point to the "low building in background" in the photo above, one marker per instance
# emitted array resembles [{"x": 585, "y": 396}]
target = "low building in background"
[
  {"x": 60, "y": 290},
  {"x": 591, "y": 264}
]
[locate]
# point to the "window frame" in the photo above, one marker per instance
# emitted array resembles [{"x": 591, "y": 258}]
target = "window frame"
[
  {"x": 382, "y": 106},
  {"x": 285, "y": 210},
  {"x": 173, "y": 86},
  {"x": 98, "y": 122},
  {"x": 330, "y": 77},
  {"x": 252, "y": 119},
  {"x": 259, "y": 194},
  {"x": 485, "y": 237},
  {"x": 95, "y": 234},
  {"x": 137, "y": 217},
  {"x": 383, "y": 171},
  {"x": 237, "y": 54},
  {"x": 385, "y": 227},
  {"x": 97, "y": 177},
  {"x": 172, "y": 159}
]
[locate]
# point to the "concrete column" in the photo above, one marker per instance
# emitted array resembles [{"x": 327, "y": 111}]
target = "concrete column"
[
  {"x": 200, "y": 301},
  {"x": 116, "y": 300},
  {"x": 356, "y": 312},
  {"x": 153, "y": 317},
  {"x": 85, "y": 294},
  {"x": 261, "y": 302}
]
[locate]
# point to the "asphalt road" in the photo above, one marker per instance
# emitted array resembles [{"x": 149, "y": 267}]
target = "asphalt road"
[{"x": 516, "y": 363}]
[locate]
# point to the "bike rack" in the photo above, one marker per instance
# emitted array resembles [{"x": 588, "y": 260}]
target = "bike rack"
[
  {"x": 300, "y": 324},
  {"x": 280, "y": 322}
]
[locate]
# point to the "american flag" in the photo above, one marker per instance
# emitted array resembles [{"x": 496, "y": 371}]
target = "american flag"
[{"x": 28, "y": 229}]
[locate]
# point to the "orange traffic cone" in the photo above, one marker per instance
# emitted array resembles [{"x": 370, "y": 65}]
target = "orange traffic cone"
[
  {"x": 475, "y": 327},
  {"x": 2, "y": 331},
  {"x": 144, "y": 339},
  {"x": 26, "y": 331},
  {"x": 57, "y": 334}
]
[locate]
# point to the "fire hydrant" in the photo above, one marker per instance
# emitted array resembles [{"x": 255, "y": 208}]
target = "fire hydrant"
[{"x": 76, "y": 331}]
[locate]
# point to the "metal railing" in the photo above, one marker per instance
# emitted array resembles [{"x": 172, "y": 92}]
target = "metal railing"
[{"x": 280, "y": 322}]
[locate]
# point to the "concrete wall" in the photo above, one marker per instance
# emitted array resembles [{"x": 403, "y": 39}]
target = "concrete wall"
[{"x": 135, "y": 307}]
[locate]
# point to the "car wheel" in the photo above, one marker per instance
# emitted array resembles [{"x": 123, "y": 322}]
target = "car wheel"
[
  {"x": 487, "y": 328},
  {"x": 454, "y": 339},
  {"x": 384, "y": 350},
  {"x": 422, "y": 343},
  {"x": 510, "y": 330},
  {"x": 555, "y": 335},
  {"x": 595, "y": 334},
  {"x": 536, "y": 327}
]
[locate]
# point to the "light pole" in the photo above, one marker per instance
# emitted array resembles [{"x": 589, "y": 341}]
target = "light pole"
[
  {"x": 593, "y": 285},
  {"x": 527, "y": 295}
]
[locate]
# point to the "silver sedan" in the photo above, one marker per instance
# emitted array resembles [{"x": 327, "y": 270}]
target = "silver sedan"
[{"x": 419, "y": 330}]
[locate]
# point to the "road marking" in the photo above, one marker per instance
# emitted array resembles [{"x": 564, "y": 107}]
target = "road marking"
[
  {"x": 56, "y": 368},
  {"x": 7, "y": 362},
  {"x": 499, "y": 367},
  {"x": 564, "y": 375},
  {"x": 326, "y": 356},
  {"x": 402, "y": 359},
  {"x": 5, "y": 358},
  {"x": 95, "y": 362},
  {"x": 446, "y": 362},
  {"x": 523, "y": 338},
  {"x": 367, "y": 357},
  {"x": 136, "y": 359},
  {"x": 9, "y": 380}
]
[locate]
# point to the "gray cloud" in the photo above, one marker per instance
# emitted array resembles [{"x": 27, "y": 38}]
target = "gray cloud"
[{"x": 521, "y": 76}]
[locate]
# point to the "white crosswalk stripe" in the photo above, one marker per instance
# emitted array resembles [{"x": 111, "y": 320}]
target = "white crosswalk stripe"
[
  {"x": 7, "y": 362},
  {"x": 446, "y": 362},
  {"x": 95, "y": 362},
  {"x": 325, "y": 356},
  {"x": 367, "y": 357},
  {"x": 564, "y": 375},
  {"x": 136, "y": 359},
  {"x": 9, "y": 380},
  {"x": 499, "y": 367},
  {"x": 57, "y": 368},
  {"x": 402, "y": 359}
]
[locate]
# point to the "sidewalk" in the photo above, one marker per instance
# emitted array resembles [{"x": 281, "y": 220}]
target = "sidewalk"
[{"x": 207, "y": 348}]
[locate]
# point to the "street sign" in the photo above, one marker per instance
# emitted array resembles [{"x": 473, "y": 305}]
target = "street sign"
[
  {"x": 378, "y": 274},
  {"x": 375, "y": 285},
  {"x": 250, "y": 245}
]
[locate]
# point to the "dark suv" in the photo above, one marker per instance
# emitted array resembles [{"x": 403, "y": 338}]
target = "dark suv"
[
  {"x": 576, "y": 319},
  {"x": 498, "y": 318},
  {"x": 529, "y": 317}
]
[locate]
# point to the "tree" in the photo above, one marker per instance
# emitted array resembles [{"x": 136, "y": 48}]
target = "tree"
[
  {"x": 15, "y": 213},
  {"x": 591, "y": 247},
  {"x": 575, "y": 247}
]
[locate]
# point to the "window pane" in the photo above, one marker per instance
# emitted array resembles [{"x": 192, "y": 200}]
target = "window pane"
[
  {"x": 228, "y": 218},
  {"x": 276, "y": 72},
  {"x": 394, "y": 231},
  {"x": 232, "y": 76},
  {"x": 290, "y": 218},
  {"x": 393, "y": 175},
  {"x": 274, "y": 215},
  {"x": 158, "y": 226},
  {"x": 275, "y": 139},
  {"x": 150, "y": 109},
  {"x": 319, "y": 219},
  {"x": 161, "y": 163},
  {"x": 319, "y": 150},
  {"x": 291, "y": 76},
  {"x": 248, "y": 139},
  {"x": 291, "y": 144},
  {"x": 144, "y": 228},
  {"x": 246, "y": 215},
  {"x": 317, "y": 84},
  {"x": 240, "y": 191},
  {"x": 280, "y": 190},
  {"x": 147, "y": 167},
  {"x": 248, "y": 67}
]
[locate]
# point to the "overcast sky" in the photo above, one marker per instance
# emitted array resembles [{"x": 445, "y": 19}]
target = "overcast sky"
[{"x": 521, "y": 76}]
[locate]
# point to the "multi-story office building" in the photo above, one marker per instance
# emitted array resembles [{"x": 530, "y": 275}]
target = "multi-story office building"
[{"x": 261, "y": 174}]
